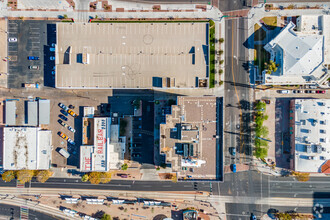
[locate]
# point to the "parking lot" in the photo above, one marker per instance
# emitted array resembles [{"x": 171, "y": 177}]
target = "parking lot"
[{"x": 33, "y": 39}]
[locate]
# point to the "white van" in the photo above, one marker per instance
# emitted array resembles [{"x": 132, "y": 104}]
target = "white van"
[{"x": 64, "y": 153}]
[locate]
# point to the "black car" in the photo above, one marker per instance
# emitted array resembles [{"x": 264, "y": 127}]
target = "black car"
[
  {"x": 63, "y": 117},
  {"x": 64, "y": 112},
  {"x": 71, "y": 106}
]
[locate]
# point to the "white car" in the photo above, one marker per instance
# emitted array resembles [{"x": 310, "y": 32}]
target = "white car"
[
  {"x": 284, "y": 91},
  {"x": 12, "y": 39},
  {"x": 71, "y": 129}
]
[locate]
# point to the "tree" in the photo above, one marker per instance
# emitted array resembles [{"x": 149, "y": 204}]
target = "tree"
[
  {"x": 260, "y": 106},
  {"x": 302, "y": 177},
  {"x": 220, "y": 83},
  {"x": 106, "y": 217},
  {"x": 8, "y": 176},
  {"x": 284, "y": 216},
  {"x": 44, "y": 175},
  {"x": 25, "y": 175},
  {"x": 222, "y": 61},
  {"x": 85, "y": 178},
  {"x": 220, "y": 71},
  {"x": 105, "y": 177},
  {"x": 221, "y": 40},
  {"x": 220, "y": 52},
  {"x": 94, "y": 177},
  {"x": 271, "y": 67},
  {"x": 124, "y": 166},
  {"x": 65, "y": 16},
  {"x": 174, "y": 179},
  {"x": 261, "y": 152}
]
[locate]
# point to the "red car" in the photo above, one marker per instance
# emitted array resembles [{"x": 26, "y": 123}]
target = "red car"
[{"x": 320, "y": 91}]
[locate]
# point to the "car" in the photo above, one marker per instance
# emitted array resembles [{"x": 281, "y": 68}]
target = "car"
[
  {"x": 33, "y": 67},
  {"x": 64, "y": 112},
  {"x": 63, "y": 117},
  {"x": 233, "y": 151},
  {"x": 53, "y": 44},
  {"x": 52, "y": 49},
  {"x": 52, "y": 58},
  {"x": 33, "y": 58},
  {"x": 71, "y": 129},
  {"x": 54, "y": 67},
  {"x": 71, "y": 106},
  {"x": 72, "y": 113},
  {"x": 12, "y": 39},
  {"x": 284, "y": 91},
  {"x": 136, "y": 155},
  {"x": 308, "y": 91},
  {"x": 299, "y": 91},
  {"x": 62, "y": 123},
  {"x": 63, "y": 106},
  {"x": 267, "y": 101},
  {"x": 233, "y": 168},
  {"x": 71, "y": 141},
  {"x": 62, "y": 135},
  {"x": 53, "y": 73},
  {"x": 294, "y": 91},
  {"x": 320, "y": 91},
  {"x": 253, "y": 217}
]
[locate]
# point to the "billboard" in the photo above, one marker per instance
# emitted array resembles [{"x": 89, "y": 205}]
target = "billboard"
[{"x": 100, "y": 135}]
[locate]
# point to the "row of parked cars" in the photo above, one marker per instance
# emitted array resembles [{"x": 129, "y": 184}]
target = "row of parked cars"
[
  {"x": 301, "y": 91},
  {"x": 66, "y": 111}
]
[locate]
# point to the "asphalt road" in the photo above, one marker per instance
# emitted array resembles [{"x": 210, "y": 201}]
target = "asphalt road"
[
  {"x": 8, "y": 211},
  {"x": 237, "y": 91}
]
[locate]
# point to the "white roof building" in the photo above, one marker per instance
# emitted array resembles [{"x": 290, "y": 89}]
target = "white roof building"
[
  {"x": 26, "y": 148},
  {"x": 102, "y": 147},
  {"x": 300, "y": 54},
  {"x": 310, "y": 129}
]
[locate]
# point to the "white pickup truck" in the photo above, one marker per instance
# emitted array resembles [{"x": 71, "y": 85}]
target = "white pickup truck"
[{"x": 64, "y": 153}]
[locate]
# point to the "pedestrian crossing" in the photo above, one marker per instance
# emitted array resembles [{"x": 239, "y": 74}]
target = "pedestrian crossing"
[{"x": 24, "y": 213}]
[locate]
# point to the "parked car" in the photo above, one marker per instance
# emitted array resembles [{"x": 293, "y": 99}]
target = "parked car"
[
  {"x": 308, "y": 91},
  {"x": 233, "y": 167},
  {"x": 253, "y": 217},
  {"x": 62, "y": 123},
  {"x": 72, "y": 113},
  {"x": 71, "y": 129},
  {"x": 64, "y": 112},
  {"x": 71, "y": 141},
  {"x": 53, "y": 44},
  {"x": 284, "y": 91},
  {"x": 52, "y": 49},
  {"x": 63, "y": 117},
  {"x": 53, "y": 73},
  {"x": 62, "y": 135},
  {"x": 71, "y": 106},
  {"x": 267, "y": 101},
  {"x": 63, "y": 106},
  {"x": 233, "y": 151},
  {"x": 33, "y": 58},
  {"x": 64, "y": 153},
  {"x": 12, "y": 39},
  {"x": 33, "y": 67},
  {"x": 320, "y": 91},
  {"x": 52, "y": 58}
]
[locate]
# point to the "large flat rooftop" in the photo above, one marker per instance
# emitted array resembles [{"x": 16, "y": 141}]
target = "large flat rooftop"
[
  {"x": 188, "y": 139},
  {"x": 311, "y": 133},
  {"x": 26, "y": 148},
  {"x": 131, "y": 55}
]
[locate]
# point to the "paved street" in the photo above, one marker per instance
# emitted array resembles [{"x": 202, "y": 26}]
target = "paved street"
[{"x": 237, "y": 93}]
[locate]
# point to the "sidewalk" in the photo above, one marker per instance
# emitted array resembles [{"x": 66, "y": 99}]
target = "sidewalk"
[{"x": 3, "y": 53}]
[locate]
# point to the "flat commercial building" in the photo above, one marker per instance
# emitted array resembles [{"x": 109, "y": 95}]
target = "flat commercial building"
[
  {"x": 188, "y": 139},
  {"x": 131, "y": 55},
  {"x": 102, "y": 147},
  {"x": 26, "y": 148},
  {"x": 10, "y": 112},
  {"x": 309, "y": 130}
]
